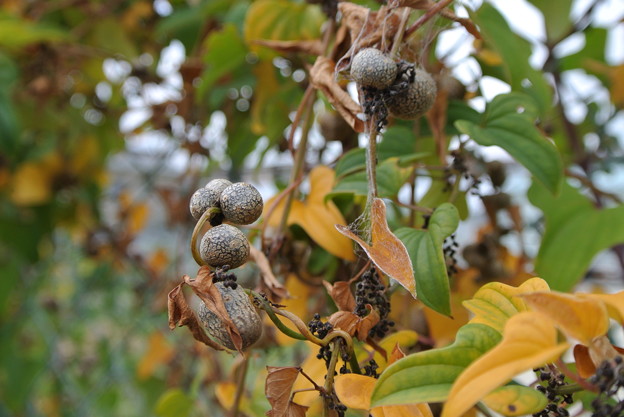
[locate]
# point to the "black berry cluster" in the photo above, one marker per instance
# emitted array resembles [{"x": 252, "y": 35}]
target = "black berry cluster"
[
  {"x": 371, "y": 369},
  {"x": 371, "y": 291},
  {"x": 555, "y": 381},
  {"x": 222, "y": 274},
  {"x": 609, "y": 379},
  {"x": 450, "y": 254},
  {"x": 334, "y": 403},
  {"x": 320, "y": 330}
]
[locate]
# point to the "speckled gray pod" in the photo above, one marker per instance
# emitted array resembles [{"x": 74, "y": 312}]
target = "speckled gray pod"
[
  {"x": 241, "y": 203},
  {"x": 416, "y": 99},
  {"x": 371, "y": 68},
  {"x": 241, "y": 311},
  {"x": 207, "y": 197},
  {"x": 224, "y": 245}
]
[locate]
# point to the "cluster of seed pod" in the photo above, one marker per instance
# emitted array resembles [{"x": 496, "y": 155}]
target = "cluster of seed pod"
[
  {"x": 401, "y": 89},
  {"x": 239, "y": 203},
  {"x": 223, "y": 247}
]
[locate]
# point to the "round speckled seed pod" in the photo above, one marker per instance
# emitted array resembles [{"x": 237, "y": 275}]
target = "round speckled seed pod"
[
  {"x": 207, "y": 197},
  {"x": 371, "y": 68},
  {"x": 416, "y": 99},
  {"x": 224, "y": 245},
  {"x": 241, "y": 311},
  {"x": 241, "y": 203}
]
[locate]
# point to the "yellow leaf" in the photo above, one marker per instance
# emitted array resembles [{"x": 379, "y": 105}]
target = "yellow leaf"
[
  {"x": 159, "y": 261},
  {"x": 494, "y": 303},
  {"x": 614, "y": 303},
  {"x": 266, "y": 87},
  {"x": 137, "y": 217},
  {"x": 529, "y": 340},
  {"x": 386, "y": 251},
  {"x": 316, "y": 216},
  {"x": 225, "y": 393},
  {"x": 158, "y": 352},
  {"x": 442, "y": 328},
  {"x": 32, "y": 181},
  {"x": 516, "y": 400},
  {"x": 578, "y": 317},
  {"x": 355, "y": 391}
]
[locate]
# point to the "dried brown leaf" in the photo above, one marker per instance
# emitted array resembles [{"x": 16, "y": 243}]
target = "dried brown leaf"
[
  {"x": 386, "y": 250},
  {"x": 279, "y": 383},
  {"x": 322, "y": 78},
  {"x": 368, "y": 28},
  {"x": 203, "y": 287},
  {"x": 311, "y": 47},
  {"x": 272, "y": 284},
  {"x": 353, "y": 324},
  {"x": 341, "y": 293},
  {"x": 180, "y": 314}
]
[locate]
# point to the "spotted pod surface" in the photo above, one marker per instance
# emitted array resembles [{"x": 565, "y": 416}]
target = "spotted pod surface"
[
  {"x": 416, "y": 99},
  {"x": 241, "y": 311},
  {"x": 207, "y": 197},
  {"x": 241, "y": 203},
  {"x": 371, "y": 68},
  {"x": 224, "y": 245}
]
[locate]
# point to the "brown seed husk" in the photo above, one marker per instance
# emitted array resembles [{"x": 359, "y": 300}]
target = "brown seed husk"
[
  {"x": 224, "y": 245},
  {"x": 416, "y": 99}
]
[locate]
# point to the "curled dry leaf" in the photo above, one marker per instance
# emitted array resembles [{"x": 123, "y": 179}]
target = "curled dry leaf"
[
  {"x": 269, "y": 280},
  {"x": 203, "y": 287},
  {"x": 369, "y": 28},
  {"x": 180, "y": 314},
  {"x": 386, "y": 250},
  {"x": 322, "y": 78},
  {"x": 310, "y": 47},
  {"x": 341, "y": 293},
  {"x": 353, "y": 324},
  {"x": 278, "y": 387}
]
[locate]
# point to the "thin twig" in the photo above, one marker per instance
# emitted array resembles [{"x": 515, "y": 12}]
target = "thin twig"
[
  {"x": 240, "y": 387},
  {"x": 428, "y": 15}
]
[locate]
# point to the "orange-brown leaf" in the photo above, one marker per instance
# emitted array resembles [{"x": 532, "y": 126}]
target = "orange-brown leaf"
[
  {"x": 279, "y": 383},
  {"x": 180, "y": 314},
  {"x": 270, "y": 282},
  {"x": 584, "y": 365},
  {"x": 341, "y": 293},
  {"x": 353, "y": 324},
  {"x": 159, "y": 352},
  {"x": 386, "y": 251}
]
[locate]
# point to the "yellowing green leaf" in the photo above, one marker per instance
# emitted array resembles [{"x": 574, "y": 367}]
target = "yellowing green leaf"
[
  {"x": 32, "y": 181},
  {"x": 355, "y": 391},
  {"x": 386, "y": 251},
  {"x": 494, "y": 303},
  {"x": 281, "y": 20},
  {"x": 529, "y": 340},
  {"x": 316, "y": 216},
  {"x": 428, "y": 376},
  {"x": 174, "y": 403},
  {"x": 578, "y": 317},
  {"x": 225, "y": 393},
  {"x": 515, "y": 400}
]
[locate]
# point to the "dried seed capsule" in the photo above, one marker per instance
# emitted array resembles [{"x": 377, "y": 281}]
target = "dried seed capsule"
[
  {"x": 224, "y": 245},
  {"x": 241, "y": 311},
  {"x": 416, "y": 99},
  {"x": 207, "y": 197},
  {"x": 371, "y": 68},
  {"x": 241, "y": 203}
]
